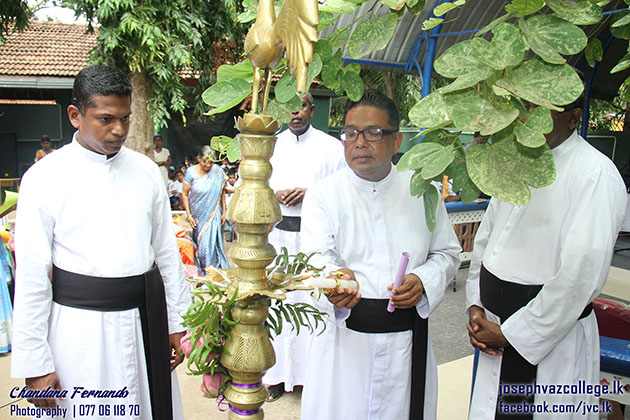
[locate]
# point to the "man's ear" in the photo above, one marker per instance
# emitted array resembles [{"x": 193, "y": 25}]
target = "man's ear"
[
  {"x": 312, "y": 110},
  {"x": 74, "y": 115},
  {"x": 397, "y": 141},
  {"x": 574, "y": 118}
]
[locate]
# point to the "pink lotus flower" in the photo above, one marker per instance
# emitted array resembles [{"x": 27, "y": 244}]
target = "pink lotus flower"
[{"x": 212, "y": 384}]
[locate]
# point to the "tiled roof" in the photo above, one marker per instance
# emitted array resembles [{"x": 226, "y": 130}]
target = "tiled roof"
[{"x": 47, "y": 49}]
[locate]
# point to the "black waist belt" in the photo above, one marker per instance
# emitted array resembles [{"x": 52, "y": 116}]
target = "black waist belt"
[
  {"x": 504, "y": 298},
  {"x": 290, "y": 223},
  {"x": 371, "y": 316},
  {"x": 145, "y": 292}
]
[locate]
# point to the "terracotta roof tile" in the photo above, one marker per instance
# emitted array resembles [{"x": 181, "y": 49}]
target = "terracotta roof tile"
[{"x": 47, "y": 49}]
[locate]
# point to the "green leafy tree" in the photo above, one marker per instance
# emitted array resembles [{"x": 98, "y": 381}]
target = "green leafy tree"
[
  {"x": 504, "y": 82},
  {"x": 155, "y": 41},
  {"x": 14, "y": 16}
]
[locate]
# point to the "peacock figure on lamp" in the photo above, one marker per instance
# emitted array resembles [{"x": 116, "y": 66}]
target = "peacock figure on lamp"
[{"x": 247, "y": 352}]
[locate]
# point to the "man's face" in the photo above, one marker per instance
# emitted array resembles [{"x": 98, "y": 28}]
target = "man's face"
[
  {"x": 104, "y": 126},
  {"x": 301, "y": 120},
  {"x": 370, "y": 160}
]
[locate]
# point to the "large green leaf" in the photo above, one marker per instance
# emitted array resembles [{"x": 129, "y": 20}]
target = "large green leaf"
[
  {"x": 540, "y": 120},
  {"x": 623, "y": 64},
  {"x": 493, "y": 24},
  {"x": 506, "y": 170},
  {"x": 522, "y": 8},
  {"x": 543, "y": 84},
  {"x": 624, "y": 20},
  {"x": 340, "y": 37},
  {"x": 330, "y": 70},
  {"x": 487, "y": 53},
  {"x": 468, "y": 80},
  {"x": 282, "y": 111},
  {"x": 243, "y": 70},
  {"x": 372, "y": 35},
  {"x": 431, "y": 198},
  {"x": 623, "y": 31},
  {"x": 418, "y": 185},
  {"x": 286, "y": 88},
  {"x": 338, "y": 6},
  {"x": 580, "y": 12},
  {"x": 527, "y": 136},
  {"x": 226, "y": 95},
  {"x": 326, "y": 19},
  {"x": 233, "y": 151},
  {"x": 323, "y": 47},
  {"x": 470, "y": 192},
  {"x": 459, "y": 60},
  {"x": 508, "y": 40},
  {"x": 473, "y": 113},
  {"x": 538, "y": 45},
  {"x": 437, "y": 162},
  {"x": 314, "y": 68},
  {"x": 352, "y": 85},
  {"x": 418, "y": 155},
  {"x": 594, "y": 52},
  {"x": 415, "y": 7},
  {"x": 561, "y": 35},
  {"x": 446, "y": 7},
  {"x": 430, "y": 111}
]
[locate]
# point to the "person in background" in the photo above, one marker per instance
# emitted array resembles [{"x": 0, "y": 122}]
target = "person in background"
[
  {"x": 203, "y": 196},
  {"x": 162, "y": 157},
  {"x": 534, "y": 272},
  {"x": 100, "y": 287},
  {"x": 46, "y": 148},
  {"x": 175, "y": 190},
  {"x": 230, "y": 187},
  {"x": 302, "y": 156},
  {"x": 188, "y": 162}
]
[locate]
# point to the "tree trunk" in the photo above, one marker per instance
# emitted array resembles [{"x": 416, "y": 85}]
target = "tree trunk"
[{"x": 140, "y": 136}]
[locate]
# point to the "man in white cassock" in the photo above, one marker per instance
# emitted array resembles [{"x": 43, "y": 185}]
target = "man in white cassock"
[
  {"x": 534, "y": 273},
  {"x": 93, "y": 227},
  {"x": 302, "y": 156},
  {"x": 370, "y": 364}
]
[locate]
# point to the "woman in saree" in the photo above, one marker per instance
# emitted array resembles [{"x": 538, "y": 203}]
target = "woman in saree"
[{"x": 204, "y": 202}]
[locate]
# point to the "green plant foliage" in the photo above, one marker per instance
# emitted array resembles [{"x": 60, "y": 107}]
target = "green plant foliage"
[
  {"x": 339, "y": 6},
  {"x": 431, "y": 198},
  {"x": 620, "y": 31},
  {"x": 623, "y": 64},
  {"x": 415, "y": 7},
  {"x": 532, "y": 132},
  {"x": 489, "y": 166},
  {"x": 523, "y": 8},
  {"x": 431, "y": 111},
  {"x": 282, "y": 111},
  {"x": 543, "y": 84},
  {"x": 580, "y": 12},
  {"x": 473, "y": 113},
  {"x": 431, "y": 23},
  {"x": 14, "y": 17},
  {"x": 593, "y": 52},
  {"x": 225, "y": 95},
  {"x": 418, "y": 185},
  {"x": 371, "y": 35},
  {"x": 446, "y": 7},
  {"x": 243, "y": 70},
  {"x": 226, "y": 147},
  {"x": 539, "y": 46},
  {"x": 286, "y": 88}
]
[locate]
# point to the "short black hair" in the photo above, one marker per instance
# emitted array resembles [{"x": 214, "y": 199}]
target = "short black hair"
[
  {"x": 156, "y": 136},
  {"x": 378, "y": 100},
  {"x": 44, "y": 138},
  {"x": 98, "y": 80},
  {"x": 231, "y": 171}
]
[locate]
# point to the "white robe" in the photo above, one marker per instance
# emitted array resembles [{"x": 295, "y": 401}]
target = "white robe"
[
  {"x": 162, "y": 157},
  {"x": 563, "y": 239},
  {"x": 297, "y": 162},
  {"x": 101, "y": 217},
  {"x": 366, "y": 226}
]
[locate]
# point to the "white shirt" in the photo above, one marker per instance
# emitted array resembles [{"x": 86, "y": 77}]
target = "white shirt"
[
  {"x": 563, "y": 239},
  {"x": 366, "y": 226},
  {"x": 302, "y": 161},
  {"x": 101, "y": 217}
]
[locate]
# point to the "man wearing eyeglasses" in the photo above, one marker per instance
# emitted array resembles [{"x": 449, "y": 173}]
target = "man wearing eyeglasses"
[
  {"x": 370, "y": 363},
  {"x": 302, "y": 156}
]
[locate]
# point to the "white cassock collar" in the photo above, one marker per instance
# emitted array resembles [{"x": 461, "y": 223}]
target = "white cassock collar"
[
  {"x": 90, "y": 155},
  {"x": 371, "y": 186}
]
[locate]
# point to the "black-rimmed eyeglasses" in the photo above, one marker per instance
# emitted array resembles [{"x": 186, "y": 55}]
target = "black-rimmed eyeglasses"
[{"x": 369, "y": 134}]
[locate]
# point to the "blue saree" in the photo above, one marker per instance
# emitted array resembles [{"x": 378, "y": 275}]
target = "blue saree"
[
  {"x": 204, "y": 200},
  {"x": 6, "y": 309}
]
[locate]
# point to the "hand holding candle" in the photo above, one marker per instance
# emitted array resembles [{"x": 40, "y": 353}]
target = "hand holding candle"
[{"x": 402, "y": 268}]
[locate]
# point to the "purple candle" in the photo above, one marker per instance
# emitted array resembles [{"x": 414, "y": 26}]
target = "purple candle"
[{"x": 402, "y": 268}]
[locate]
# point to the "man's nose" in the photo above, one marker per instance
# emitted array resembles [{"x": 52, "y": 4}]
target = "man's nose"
[
  {"x": 118, "y": 128},
  {"x": 361, "y": 141}
]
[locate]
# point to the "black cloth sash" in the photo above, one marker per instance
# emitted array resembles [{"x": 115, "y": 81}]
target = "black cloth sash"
[
  {"x": 145, "y": 292},
  {"x": 504, "y": 298},
  {"x": 290, "y": 223},
  {"x": 371, "y": 316}
]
